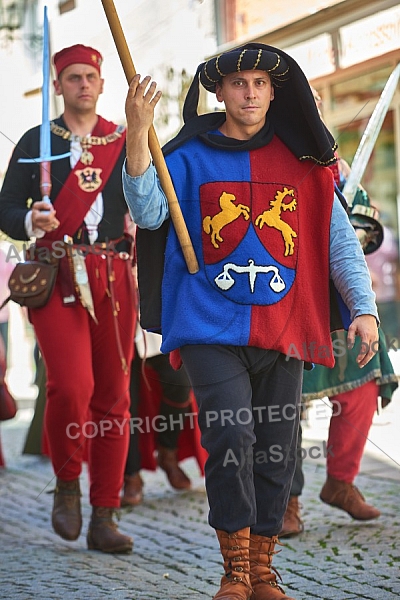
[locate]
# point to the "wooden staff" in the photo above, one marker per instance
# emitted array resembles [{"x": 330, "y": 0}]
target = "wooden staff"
[{"x": 154, "y": 146}]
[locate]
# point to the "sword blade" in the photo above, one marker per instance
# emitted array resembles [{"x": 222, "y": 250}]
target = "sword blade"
[
  {"x": 370, "y": 136},
  {"x": 45, "y": 156},
  {"x": 45, "y": 143},
  {"x": 45, "y": 126}
]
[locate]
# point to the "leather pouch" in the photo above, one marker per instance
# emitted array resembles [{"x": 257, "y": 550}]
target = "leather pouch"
[{"x": 32, "y": 283}]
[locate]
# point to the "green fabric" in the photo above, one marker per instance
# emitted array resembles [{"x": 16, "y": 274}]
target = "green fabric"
[{"x": 347, "y": 375}]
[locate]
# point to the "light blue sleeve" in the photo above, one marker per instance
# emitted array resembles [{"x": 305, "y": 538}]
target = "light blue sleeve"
[
  {"x": 348, "y": 267},
  {"x": 146, "y": 200}
]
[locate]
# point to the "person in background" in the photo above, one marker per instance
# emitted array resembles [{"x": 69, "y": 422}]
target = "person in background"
[
  {"x": 265, "y": 222},
  {"x": 354, "y": 393},
  {"x": 384, "y": 268},
  {"x": 85, "y": 331},
  {"x": 8, "y": 405},
  {"x": 174, "y": 404},
  {"x": 162, "y": 396},
  {"x": 6, "y": 268}
]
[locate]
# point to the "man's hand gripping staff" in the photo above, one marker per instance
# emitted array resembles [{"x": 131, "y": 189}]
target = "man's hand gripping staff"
[{"x": 147, "y": 137}]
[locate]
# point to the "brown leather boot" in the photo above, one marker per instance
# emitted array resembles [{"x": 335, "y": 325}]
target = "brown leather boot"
[
  {"x": 262, "y": 579},
  {"x": 235, "y": 584},
  {"x": 292, "y": 523},
  {"x": 349, "y": 498},
  {"x": 168, "y": 462},
  {"x": 133, "y": 490},
  {"x": 103, "y": 533},
  {"x": 66, "y": 517}
]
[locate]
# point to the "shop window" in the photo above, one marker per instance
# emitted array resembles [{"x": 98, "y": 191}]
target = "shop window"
[
  {"x": 380, "y": 174},
  {"x": 361, "y": 89},
  {"x": 379, "y": 180}
]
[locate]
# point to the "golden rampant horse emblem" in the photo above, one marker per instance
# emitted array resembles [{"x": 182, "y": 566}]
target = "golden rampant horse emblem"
[
  {"x": 229, "y": 212},
  {"x": 272, "y": 218}
]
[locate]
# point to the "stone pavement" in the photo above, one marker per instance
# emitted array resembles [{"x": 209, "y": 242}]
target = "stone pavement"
[{"x": 176, "y": 556}]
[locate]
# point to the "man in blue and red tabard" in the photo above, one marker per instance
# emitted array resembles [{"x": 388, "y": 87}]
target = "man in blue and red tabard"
[
  {"x": 85, "y": 331},
  {"x": 267, "y": 231}
]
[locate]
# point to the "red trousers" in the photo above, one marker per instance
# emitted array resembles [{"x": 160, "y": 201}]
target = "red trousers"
[
  {"x": 348, "y": 430},
  {"x": 87, "y": 388}
]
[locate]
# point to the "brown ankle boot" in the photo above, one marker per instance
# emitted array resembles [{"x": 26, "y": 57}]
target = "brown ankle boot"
[
  {"x": 235, "y": 584},
  {"x": 349, "y": 498},
  {"x": 103, "y": 533},
  {"x": 66, "y": 517},
  {"x": 168, "y": 462},
  {"x": 292, "y": 524},
  {"x": 133, "y": 494},
  {"x": 262, "y": 579}
]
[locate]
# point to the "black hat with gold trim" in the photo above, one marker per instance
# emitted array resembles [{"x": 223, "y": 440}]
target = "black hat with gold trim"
[
  {"x": 293, "y": 113},
  {"x": 242, "y": 59}
]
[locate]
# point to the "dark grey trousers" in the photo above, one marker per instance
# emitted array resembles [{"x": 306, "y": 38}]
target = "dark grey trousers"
[{"x": 249, "y": 405}]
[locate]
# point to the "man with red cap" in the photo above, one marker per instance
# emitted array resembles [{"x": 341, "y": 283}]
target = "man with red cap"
[{"x": 85, "y": 330}]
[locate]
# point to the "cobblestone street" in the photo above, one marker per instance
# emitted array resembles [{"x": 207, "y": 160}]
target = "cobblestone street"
[{"x": 176, "y": 556}]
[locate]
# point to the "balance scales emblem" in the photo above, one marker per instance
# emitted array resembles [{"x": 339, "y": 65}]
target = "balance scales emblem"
[{"x": 225, "y": 280}]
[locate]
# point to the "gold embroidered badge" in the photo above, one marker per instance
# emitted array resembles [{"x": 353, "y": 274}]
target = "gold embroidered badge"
[
  {"x": 272, "y": 218},
  {"x": 229, "y": 212},
  {"x": 89, "y": 179}
]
